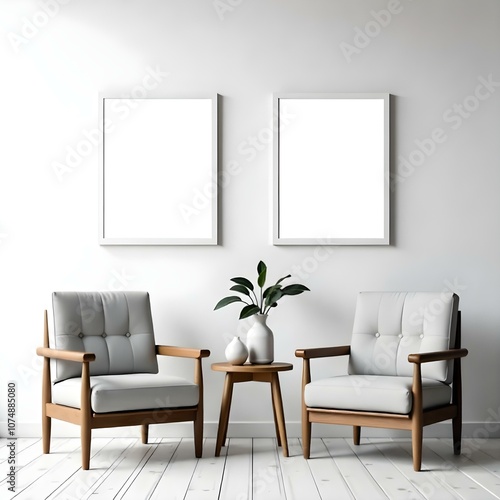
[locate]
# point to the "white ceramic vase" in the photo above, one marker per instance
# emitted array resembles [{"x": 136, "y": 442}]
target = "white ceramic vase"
[
  {"x": 260, "y": 341},
  {"x": 236, "y": 352}
]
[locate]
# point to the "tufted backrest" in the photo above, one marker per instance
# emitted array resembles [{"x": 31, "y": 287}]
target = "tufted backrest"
[
  {"x": 116, "y": 326},
  {"x": 388, "y": 326}
]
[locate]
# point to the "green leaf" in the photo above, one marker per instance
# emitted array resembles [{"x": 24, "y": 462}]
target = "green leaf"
[
  {"x": 241, "y": 289},
  {"x": 248, "y": 311},
  {"x": 262, "y": 278},
  {"x": 262, "y": 272},
  {"x": 243, "y": 281},
  {"x": 284, "y": 278},
  {"x": 267, "y": 291},
  {"x": 227, "y": 300},
  {"x": 261, "y": 267},
  {"x": 294, "y": 289},
  {"x": 274, "y": 296}
]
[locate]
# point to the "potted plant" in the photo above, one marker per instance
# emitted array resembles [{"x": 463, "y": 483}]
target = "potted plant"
[{"x": 258, "y": 301}]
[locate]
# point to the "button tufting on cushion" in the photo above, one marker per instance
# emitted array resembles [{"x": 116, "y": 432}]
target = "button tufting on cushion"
[
  {"x": 106, "y": 318},
  {"x": 407, "y": 324}
]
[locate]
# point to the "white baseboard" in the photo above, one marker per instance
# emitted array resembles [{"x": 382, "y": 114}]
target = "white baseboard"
[{"x": 476, "y": 430}]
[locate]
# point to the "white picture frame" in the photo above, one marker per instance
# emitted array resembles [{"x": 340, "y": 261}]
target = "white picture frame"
[
  {"x": 331, "y": 169},
  {"x": 158, "y": 170}
]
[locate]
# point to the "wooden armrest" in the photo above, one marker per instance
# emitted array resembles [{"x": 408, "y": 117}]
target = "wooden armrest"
[
  {"x": 182, "y": 352},
  {"x": 426, "y": 357},
  {"x": 77, "y": 356},
  {"x": 323, "y": 352}
]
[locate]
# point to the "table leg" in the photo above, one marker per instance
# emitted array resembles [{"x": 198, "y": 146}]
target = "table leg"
[
  {"x": 278, "y": 438},
  {"x": 280, "y": 417},
  {"x": 224, "y": 413}
]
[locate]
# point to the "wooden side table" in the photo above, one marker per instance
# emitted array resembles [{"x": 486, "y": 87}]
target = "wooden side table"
[{"x": 252, "y": 373}]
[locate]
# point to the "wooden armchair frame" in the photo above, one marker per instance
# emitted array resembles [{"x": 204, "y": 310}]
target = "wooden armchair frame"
[
  {"x": 414, "y": 421},
  {"x": 88, "y": 420}
]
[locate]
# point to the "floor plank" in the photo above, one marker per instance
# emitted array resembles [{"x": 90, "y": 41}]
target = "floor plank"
[
  {"x": 297, "y": 477},
  {"x": 237, "y": 479},
  {"x": 144, "y": 483},
  {"x": 267, "y": 476},
  {"x": 175, "y": 480},
  {"x": 490, "y": 447},
  {"x": 355, "y": 474},
  {"x": 111, "y": 483},
  {"x": 388, "y": 477},
  {"x": 207, "y": 478},
  {"x": 327, "y": 476}
]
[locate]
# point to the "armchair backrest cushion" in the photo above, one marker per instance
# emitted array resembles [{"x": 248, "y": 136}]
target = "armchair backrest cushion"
[
  {"x": 388, "y": 326},
  {"x": 116, "y": 326}
]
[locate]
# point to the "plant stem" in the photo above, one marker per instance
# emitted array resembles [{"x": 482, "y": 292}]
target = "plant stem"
[{"x": 256, "y": 300}]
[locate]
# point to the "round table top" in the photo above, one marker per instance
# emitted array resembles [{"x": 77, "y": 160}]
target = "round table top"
[{"x": 249, "y": 368}]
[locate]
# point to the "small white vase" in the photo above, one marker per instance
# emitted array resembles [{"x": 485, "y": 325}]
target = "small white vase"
[
  {"x": 260, "y": 341},
  {"x": 236, "y": 352}
]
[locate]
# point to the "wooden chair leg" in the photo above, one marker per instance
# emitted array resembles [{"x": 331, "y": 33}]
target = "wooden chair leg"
[
  {"x": 46, "y": 391},
  {"x": 356, "y": 434},
  {"x": 198, "y": 434},
  {"x": 144, "y": 433},
  {"x": 85, "y": 432},
  {"x": 46, "y": 432},
  {"x": 457, "y": 400},
  {"x": 306, "y": 424},
  {"x": 457, "y": 434},
  {"x": 198, "y": 422},
  {"x": 416, "y": 444},
  {"x": 417, "y": 418},
  {"x": 306, "y": 435},
  {"x": 85, "y": 416}
]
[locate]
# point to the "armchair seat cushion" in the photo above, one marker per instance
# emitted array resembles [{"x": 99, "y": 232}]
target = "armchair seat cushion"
[
  {"x": 387, "y": 394},
  {"x": 129, "y": 392}
]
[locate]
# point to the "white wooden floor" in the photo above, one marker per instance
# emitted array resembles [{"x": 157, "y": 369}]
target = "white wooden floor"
[{"x": 124, "y": 468}]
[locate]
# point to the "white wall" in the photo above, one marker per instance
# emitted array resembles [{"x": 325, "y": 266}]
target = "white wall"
[{"x": 431, "y": 56}]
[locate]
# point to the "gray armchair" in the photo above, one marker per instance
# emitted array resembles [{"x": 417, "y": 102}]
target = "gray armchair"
[
  {"x": 107, "y": 369},
  {"x": 404, "y": 369}
]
